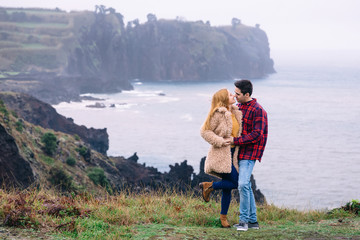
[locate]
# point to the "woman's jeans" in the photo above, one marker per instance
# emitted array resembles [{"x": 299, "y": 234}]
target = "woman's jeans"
[
  {"x": 247, "y": 200},
  {"x": 228, "y": 182}
]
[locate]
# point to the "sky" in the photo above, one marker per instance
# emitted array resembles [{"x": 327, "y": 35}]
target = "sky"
[{"x": 289, "y": 24}]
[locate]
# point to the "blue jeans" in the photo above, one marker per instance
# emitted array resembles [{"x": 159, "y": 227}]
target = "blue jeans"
[
  {"x": 247, "y": 200},
  {"x": 228, "y": 182}
]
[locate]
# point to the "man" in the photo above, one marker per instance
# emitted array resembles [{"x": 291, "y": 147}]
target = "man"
[{"x": 252, "y": 144}]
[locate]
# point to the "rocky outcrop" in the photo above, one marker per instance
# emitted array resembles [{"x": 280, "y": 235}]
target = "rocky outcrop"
[
  {"x": 39, "y": 113},
  {"x": 194, "y": 51},
  {"x": 15, "y": 171},
  {"x": 173, "y": 51},
  {"x": 181, "y": 177}
]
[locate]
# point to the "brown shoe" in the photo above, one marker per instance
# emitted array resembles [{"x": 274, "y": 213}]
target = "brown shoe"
[
  {"x": 206, "y": 190},
  {"x": 224, "y": 222}
]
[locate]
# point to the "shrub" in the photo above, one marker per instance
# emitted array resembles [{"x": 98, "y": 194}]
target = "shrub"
[
  {"x": 97, "y": 175},
  {"x": 49, "y": 140},
  {"x": 82, "y": 150},
  {"x": 77, "y": 138},
  {"x": 19, "y": 126},
  {"x": 85, "y": 153},
  {"x": 71, "y": 161},
  {"x": 3, "y": 108},
  {"x": 61, "y": 179},
  {"x": 353, "y": 206}
]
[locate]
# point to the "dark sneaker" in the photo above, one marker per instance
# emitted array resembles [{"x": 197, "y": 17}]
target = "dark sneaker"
[
  {"x": 254, "y": 225},
  {"x": 241, "y": 226}
]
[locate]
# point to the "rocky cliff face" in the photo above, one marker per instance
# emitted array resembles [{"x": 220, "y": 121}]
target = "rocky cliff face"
[
  {"x": 172, "y": 51},
  {"x": 39, "y": 113},
  {"x": 95, "y": 52},
  {"x": 15, "y": 171}
]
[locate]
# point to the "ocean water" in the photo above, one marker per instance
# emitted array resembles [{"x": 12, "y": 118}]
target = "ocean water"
[{"x": 312, "y": 159}]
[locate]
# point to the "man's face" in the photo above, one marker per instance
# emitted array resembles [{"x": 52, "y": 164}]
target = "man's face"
[{"x": 240, "y": 98}]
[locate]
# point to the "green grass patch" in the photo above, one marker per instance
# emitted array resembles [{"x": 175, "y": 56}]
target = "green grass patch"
[
  {"x": 34, "y": 11},
  {"x": 19, "y": 126},
  {"x": 41, "y": 25},
  {"x": 34, "y": 45},
  {"x": 4, "y": 110},
  {"x": 162, "y": 215},
  {"x": 48, "y": 160}
]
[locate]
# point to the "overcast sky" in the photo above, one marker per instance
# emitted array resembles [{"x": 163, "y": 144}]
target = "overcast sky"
[{"x": 289, "y": 24}]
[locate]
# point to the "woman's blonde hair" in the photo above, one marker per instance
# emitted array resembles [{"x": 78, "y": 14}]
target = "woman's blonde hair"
[{"x": 219, "y": 99}]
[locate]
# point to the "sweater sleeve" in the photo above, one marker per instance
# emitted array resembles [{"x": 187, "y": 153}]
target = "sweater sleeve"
[
  {"x": 211, "y": 137},
  {"x": 257, "y": 132}
]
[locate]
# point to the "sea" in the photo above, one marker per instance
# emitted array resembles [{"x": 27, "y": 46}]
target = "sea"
[{"x": 312, "y": 158}]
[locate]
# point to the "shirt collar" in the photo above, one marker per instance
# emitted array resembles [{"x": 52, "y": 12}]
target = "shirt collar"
[{"x": 252, "y": 101}]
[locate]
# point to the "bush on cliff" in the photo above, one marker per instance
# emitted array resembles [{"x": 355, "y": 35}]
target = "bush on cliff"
[
  {"x": 19, "y": 126},
  {"x": 71, "y": 161},
  {"x": 84, "y": 152},
  {"x": 49, "y": 141},
  {"x": 3, "y": 108},
  {"x": 97, "y": 175},
  {"x": 60, "y": 179}
]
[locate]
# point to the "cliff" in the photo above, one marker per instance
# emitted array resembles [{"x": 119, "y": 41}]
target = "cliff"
[
  {"x": 63, "y": 161},
  {"x": 13, "y": 167},
  {"x": 39, "y": 113},
  {"x": 55, "y": 56}
]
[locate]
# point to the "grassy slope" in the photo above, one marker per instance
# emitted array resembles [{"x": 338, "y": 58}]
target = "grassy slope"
[
  {"x": 156, "y": 215},
  {"x": 30, "y": 45},
  {"x": 28, "y": 140}
]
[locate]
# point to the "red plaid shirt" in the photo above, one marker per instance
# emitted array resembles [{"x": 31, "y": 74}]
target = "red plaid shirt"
[{"x": 255, "y": 131}]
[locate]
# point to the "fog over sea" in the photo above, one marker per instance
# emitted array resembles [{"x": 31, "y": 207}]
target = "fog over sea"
[{"x": 312, "y": 159}]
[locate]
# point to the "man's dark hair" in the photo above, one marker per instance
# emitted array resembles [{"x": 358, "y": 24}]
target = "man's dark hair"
[{"x": 245, "y": 86}]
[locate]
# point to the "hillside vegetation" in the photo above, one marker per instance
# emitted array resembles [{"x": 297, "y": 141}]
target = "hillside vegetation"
[
  {"x": 157, "y": 215},
  {"x": 34, "y": 39},
  {"x": 32, "y": 155}
]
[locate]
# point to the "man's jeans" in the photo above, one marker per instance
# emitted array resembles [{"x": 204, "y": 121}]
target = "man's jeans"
[{"x": 247, "y": 200}]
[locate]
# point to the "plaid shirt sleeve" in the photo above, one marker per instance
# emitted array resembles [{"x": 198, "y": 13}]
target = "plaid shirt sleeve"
[{"x": 260, "y": 121}]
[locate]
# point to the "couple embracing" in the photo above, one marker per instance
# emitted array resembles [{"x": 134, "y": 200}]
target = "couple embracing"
[{"x": 237, "y": 135}]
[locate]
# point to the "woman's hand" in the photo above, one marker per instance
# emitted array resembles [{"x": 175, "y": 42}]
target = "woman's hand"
[{"x": 227, "y": 141}]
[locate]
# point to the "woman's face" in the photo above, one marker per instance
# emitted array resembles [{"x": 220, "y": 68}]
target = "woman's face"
[{"x": 231, "y": 98}]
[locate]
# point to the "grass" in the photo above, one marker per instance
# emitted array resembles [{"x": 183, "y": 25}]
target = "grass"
[
  {"x": 48, "y": 160},
  {"x": 37, "y": 25},
  {"x": 159, "y": 215},
  {"x": 34, "y": 11}
]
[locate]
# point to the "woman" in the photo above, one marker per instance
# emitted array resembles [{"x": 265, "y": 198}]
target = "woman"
[{"x": 223, "y": 122}]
